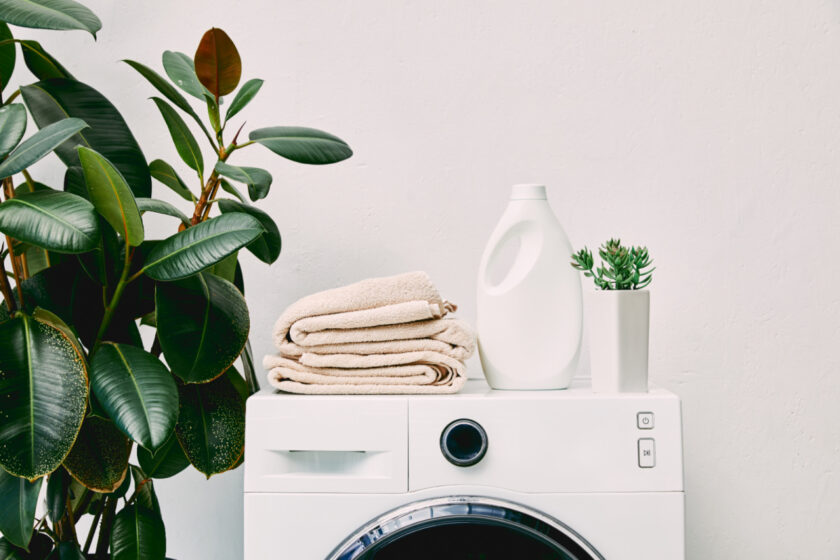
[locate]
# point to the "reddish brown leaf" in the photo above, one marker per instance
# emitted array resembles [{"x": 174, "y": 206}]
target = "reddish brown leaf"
[{"x": 217, "y": 63}]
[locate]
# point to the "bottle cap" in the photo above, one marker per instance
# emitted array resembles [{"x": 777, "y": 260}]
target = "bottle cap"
[{"x": 528, "y": 191}]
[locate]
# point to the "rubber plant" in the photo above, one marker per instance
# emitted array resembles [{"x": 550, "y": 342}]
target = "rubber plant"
[{"x": 82, "y": 390}]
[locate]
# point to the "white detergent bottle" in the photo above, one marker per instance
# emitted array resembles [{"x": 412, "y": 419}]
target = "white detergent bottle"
[{"x": 530, "y": 320}]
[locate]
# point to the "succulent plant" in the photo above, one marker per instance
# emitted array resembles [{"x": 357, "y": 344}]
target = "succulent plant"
[{"x": 622, "y": 268}]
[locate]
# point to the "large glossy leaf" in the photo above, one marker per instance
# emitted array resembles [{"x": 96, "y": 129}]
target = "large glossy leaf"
[
  {"x": 217, "y": 63},
  {"x": 66, "y": 550},
  {"x": 137, "y": 391},
  {"x": 74, "y": 181},
  {"x": 58, "y": 487},
  {"x": 145, "y": 488},
  {"x": 159, "y": 207},
  {"x": 43, "y": 395},
  {"x": 41, "y": 63},
  {"x": 39, "y": 547},
  {"x": 12, "y": 127},
  {"x": 201, "y": 246},
  {"x": 164, "y": 173},
  {"x": 167, "y": 461},
  {"x": 303, "y": 145},
  {"x": 40, "y": 144},
  {"x": 57, "y": 98},
  {"x": 267, "y": 246},
  {"x": 181, "y": 70},
  {"x": 18, "y": 498},
  {"x": 211, "y": 426},
  {"x": 54, "y": 220},
  {"x": 7, "y": 55},
  {"x": 99, "y": 459},
  {"x": 111, "y": 196},
  {"x": 203, "y": 324},
  {"x": 258, "y": 180},
  {"x": 183, "y": 139},
  {"x": 138, "y": 534},
  {"x": 50, "y": 14},
  {"x": 244, "y": 96}
]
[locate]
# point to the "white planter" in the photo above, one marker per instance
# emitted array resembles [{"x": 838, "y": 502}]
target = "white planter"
[{"x": 619, "y": 326}]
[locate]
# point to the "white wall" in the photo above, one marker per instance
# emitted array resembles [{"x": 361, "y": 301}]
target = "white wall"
[{"x": 709, "y": 131}]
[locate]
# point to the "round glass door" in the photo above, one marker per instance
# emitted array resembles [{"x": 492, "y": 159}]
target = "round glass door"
[{"x": 465, "y": 528}]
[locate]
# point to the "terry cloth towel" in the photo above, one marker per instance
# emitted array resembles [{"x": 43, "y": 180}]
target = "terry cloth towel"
[{"x": 379, "y": 336}]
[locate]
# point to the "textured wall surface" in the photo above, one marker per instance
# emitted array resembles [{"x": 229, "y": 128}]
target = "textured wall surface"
[{"x": 709, "y": 131}]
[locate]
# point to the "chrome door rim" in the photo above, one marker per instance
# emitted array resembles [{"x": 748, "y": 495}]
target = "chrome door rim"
[{"x": 404, "y": 517}]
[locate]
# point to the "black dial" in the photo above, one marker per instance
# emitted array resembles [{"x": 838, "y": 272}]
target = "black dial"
[{"x": 463, "y": 442}]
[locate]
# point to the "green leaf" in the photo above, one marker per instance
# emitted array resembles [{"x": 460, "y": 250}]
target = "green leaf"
[
  {"x": 164, "y": 173},
  {"x": 111, "y": 196},
  {"x": 217, "y": 63},
  {"x": 159, "y": 207},
  {"x": 203, "y": 325},
  {"x": 138, "y": 534},
  {"x": 50, "y": 14},
  {"x": 19, "y": 498},
  {"x": 258, "y": 180},
  {"x": 267, "y": 246},
  {"x": 226, "y": 268},
  {"x": 249, "y": 369},
  {"x": 166, "y": 462},
  {"x": 181, "y": 70},
  {"x": 66, "y": 550},
  {"x": 99, "y": 459},
  {"x": 303, "y": 145},
  {"x": 137, "y": 392},
  {"x": 41, "y": 63},
  {"x": 39, "y": 547},
  {"x": 54, "y": 220},
  {"x": 211, "y": 425},
  {"x": 43, "y": 395},
  {"x": 145, "y": 488},
  {"x": 213, "y": 112},
  {"x": 12, "y": 127},
  {"x": 163, "y": 87},
  {"x": 58, "y": 486},
  {"x": 230, "y": 189},
  {"x": 182, "y": 137},
  {"x": 7, "y": 55},
  {"x": 244, "y": 96},
  {"x": 74, "y": 182},
  {"x": 57, "y": 98},
  {"x": 40, "y": 144},
  {"x": 201, "y": 246}
]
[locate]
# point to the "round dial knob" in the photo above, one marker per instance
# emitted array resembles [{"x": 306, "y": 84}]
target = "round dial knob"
[{"x": 463, "y": 442}]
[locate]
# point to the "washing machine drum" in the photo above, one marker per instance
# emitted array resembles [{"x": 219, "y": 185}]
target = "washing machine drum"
[{"x": 465, "y": 528}]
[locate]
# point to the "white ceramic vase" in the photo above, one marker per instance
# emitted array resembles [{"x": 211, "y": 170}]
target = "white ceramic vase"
[{"x": 619, "y": 327}]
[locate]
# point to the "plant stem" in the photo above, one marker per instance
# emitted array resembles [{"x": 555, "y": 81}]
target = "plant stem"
[
  {"x": 12, "y": 97},
  {"x": 109, "y": 509},
  {"x": 115, "y": 300},
  {"x": 29, "y": 181},
  {"x": 92, "y": 531},
  {"x": 6, "y": 288}
]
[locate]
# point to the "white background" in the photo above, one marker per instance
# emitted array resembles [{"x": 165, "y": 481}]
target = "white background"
[{"x": 709, "y": 131}]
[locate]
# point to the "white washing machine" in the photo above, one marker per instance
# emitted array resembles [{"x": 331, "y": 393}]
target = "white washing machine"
[{"x": 482, "y": 475}]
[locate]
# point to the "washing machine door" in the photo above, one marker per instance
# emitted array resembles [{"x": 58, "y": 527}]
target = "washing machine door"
[{"x": 465, "y": 528}]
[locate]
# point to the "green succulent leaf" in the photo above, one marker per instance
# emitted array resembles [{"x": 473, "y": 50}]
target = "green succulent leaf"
[
  {"x": 201, "y": 246},
  {"x": 99, "y": 458},
  {"x": 50, "y": 14},
  {"x": 159, "y": 207},
  {"x": 40, "y": 144},
  {"x": 137, "y": 392},
  {"x": 56, "y": 98},
  {"x": 203, "y": 325},
  {"x": 166, "y": 462},
  {"x": 8, "y": 54},
  {"x": 244, "y": 96},
  {"x": 111, "y": 195},
  {"x": 217, "y": 63},
  {"x": 258, "y": 180},
  {"x": 41, "y": 63},
  {"x": 138, "y": 534},
  {"x": 43, "y": 395},
  {"x": 181, "y": 70},
  {"x": 267, "y": 246},
  {"x": 19, "y": 498},
  {"x": 53, "y": 220},
  {"x": 164, "y": 173},
  {"x": 12, "y": 127},
  {"x": 184, "y": 140},
  {"x": 211, "y": 425},
  {"x": 303, "y": 145}
]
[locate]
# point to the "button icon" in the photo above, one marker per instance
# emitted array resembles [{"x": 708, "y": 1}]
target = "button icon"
[
  {"x": 644, "y": 420},
  {"x": 647, "y": 453}
]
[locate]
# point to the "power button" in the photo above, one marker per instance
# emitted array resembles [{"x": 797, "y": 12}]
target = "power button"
[{"x": 644, "y": 420}]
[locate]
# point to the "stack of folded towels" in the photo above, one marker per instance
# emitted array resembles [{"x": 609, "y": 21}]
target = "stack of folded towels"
[{"x": 379, "y": 336}]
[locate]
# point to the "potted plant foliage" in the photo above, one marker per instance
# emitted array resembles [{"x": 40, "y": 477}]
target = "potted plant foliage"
[
  {"x": 80, "y": 389},
  {"x": 618, "y": 316}
]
